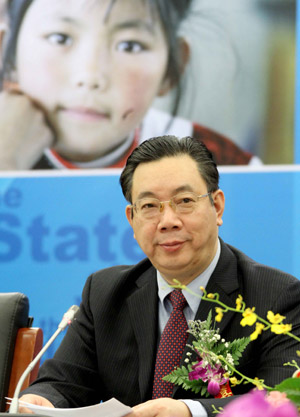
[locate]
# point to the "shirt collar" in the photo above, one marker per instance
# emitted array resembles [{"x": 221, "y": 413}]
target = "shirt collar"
[{"x": 200, "y": 281}]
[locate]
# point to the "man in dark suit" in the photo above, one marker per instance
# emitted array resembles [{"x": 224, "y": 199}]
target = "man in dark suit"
[{"x": 110, "y": 350}]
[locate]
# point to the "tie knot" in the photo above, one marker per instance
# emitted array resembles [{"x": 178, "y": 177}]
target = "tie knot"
[{"x": 178, "y": 300}]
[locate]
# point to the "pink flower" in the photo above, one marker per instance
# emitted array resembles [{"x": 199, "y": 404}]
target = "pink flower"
[
  {"x": 213, "y": 387},
  {"x": 277, "y": 398},
  {"x": 199, "y": 372},
  {"x": 207, "y": 373},
  {"x": 255, "y": 404}
]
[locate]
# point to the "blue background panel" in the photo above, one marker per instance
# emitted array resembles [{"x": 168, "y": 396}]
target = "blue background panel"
[{"x": 56, "y": 230}]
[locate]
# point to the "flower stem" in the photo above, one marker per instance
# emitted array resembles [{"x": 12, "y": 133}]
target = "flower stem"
[{"x": 244, "y": 377}]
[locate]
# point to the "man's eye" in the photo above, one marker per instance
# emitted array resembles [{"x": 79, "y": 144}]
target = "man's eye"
[
  {"x": 130, "y": 46},
  {"x": 185, "y": 200},
  {"x": 59, "y": 39},
  {"x": 148, "y": 205}
]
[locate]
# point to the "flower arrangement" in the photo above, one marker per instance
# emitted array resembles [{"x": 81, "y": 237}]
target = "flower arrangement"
[{"x": 217, "y": 359}]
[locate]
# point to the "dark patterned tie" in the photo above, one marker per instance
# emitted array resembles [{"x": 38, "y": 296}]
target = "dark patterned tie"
[{"x": 171, "y": 346}]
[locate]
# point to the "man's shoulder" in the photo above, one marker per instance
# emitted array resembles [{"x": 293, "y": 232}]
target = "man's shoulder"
[
  {"x": 120, "y": 275},
  {"x": 141, "y": 266},
  {"x": 113, "y": 286},
  {"x": 259, "y": 272}
]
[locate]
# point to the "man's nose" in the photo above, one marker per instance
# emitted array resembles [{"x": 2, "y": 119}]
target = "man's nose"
[{"x": 168, "y": 216}]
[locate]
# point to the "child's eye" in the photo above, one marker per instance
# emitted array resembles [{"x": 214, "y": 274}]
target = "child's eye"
[
  {"x": 59, "y": 39},
  {"x": 130, "y": 46}
]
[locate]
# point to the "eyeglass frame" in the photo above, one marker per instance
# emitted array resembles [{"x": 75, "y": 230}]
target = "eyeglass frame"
[{"x": 170, "y": 202}]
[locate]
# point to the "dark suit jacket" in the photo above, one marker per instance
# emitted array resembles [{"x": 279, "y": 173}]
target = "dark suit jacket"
[{"x": 110, "y": 349}]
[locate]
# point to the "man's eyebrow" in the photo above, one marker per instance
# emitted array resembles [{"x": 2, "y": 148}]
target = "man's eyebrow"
[
  {"x": 145, "y": 194},
  {"x": 185, "y": 187}
]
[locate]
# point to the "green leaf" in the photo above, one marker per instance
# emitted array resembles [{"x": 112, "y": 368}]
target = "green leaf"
[
  {"x": 237, "y": 347},
  {"x": 208, "y": 320},
  {"x": 180, "y": 373},
  {"x": 204, "y": 392},
  {"x": 291, "y": 386}
]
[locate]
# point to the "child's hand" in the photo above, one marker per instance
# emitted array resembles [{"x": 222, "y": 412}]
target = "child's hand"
[{"x": 24, "y": 133}]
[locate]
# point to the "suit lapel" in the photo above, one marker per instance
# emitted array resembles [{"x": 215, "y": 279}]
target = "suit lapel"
[
  {"x": 143, "y": 311},
  {"x": 224, "y": 281}
]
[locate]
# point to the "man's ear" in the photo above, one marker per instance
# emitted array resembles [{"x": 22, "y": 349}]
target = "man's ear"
[
  {"x": 128, "y": 212},
  {"x": 170, "y": 81},
  {"x": 219, "y": 203}
]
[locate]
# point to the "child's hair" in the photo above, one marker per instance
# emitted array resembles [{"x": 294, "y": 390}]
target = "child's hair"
[{"x": 170, "y": 12}]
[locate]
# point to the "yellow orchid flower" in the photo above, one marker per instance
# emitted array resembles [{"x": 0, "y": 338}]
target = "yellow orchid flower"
[
  {"x": 258, "y": 383},
  {"x": 219, "y": 315},
  {"x": 281, "y": 328},
  {"x": 274, "y": 318},
  {"x": 211, "y": 296},
  {"x": 249, "y": 317},
  {"x": 233, "y": 381},
  {"x": 239, "y": 302},
  {"x": 258, "y": 330}
]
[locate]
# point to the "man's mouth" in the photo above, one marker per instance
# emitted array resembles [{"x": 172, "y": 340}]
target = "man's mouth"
[{"x": 172, "y": 246}]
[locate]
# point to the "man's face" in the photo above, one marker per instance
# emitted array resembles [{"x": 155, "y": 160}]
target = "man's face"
[
  {"x": 95, "y": 73},
  {"x": 180, "y": 246}
]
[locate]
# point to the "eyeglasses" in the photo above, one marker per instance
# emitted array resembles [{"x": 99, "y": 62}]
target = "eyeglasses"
[{"x": 183, "y": 203}]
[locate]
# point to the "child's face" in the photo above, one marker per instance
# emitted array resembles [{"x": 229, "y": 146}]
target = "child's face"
[{"x": 95, "y": 75}]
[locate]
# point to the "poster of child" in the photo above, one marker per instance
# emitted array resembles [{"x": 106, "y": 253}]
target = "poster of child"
[
  {"x": 241, "y": 77},
  {"x": 79, "y": 79}
]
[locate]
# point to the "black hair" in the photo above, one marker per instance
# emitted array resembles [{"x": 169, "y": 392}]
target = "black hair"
[
  {"x": 166, "y": 146},
  {"x": 16, "y": 10},
  {"x": 170, "y": 12}
]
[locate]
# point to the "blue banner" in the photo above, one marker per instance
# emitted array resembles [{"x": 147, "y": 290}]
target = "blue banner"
[{"x": 55, "y": 230}]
